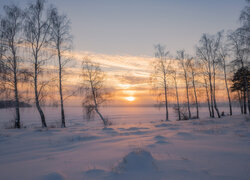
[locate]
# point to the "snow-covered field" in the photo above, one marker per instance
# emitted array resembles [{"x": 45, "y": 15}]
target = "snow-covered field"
[{"x": 137, "y": 146}]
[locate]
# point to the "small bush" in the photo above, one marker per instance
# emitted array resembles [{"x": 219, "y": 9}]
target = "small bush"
[
  {"x": 183, "y": 112},
  {"x": 108, "y": 122}
]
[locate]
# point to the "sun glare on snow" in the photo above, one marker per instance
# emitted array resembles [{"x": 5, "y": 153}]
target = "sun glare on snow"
[{"x": 130, "y": 98}]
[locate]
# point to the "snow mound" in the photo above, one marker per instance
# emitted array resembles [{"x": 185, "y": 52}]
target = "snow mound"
[
  {"x": 162, "y": 125},
  {"x": 161, "y": 139},
  {"x": 53, "y": 176},
  {"x": 136, "y": 128},
  {"x": 168, "y": 125},
  {"x": 83, "y": 138},
  {"x": 185, "y": 135},
  {"x": 110, "y": 131},
  {"x": 138, "y": 160}
]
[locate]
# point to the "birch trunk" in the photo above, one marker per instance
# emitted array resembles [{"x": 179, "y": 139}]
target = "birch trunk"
[
  {"x": 177, "y": 99},
  {"x": 63, "y": 125},
  {"x": 245, "y": 87},
  {"x": 208, "y": 102},
  {"x": 15, "y": 81},
  {"x": 215, "y": 103},
  {"x": 211, "y": 95},
  {"x": 166, "y": 97},
  {"x": 96, "y": 105},
  {"x": 187, "y": 93},
  {"x": 17, "y": 119},
  {"x": 37, "y": 96},
  {"x": 195, "y": 95},
  {"x": 228, "y": 93},
  {"x": 240, "y": 101},
  {"x": 248, "y": 96}
]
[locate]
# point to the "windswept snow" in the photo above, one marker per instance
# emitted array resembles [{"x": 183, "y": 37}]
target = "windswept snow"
[{"x": 150, "y": 149}]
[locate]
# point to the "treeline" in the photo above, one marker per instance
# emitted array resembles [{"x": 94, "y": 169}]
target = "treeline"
[
  {"x": 30, "y": 40},
  {"x": 44, "y": 34},
  {"x": 216, "y": 55}
]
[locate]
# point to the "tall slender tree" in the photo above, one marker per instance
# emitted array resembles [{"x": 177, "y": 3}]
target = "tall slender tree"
[
  {"x": 160, "y": 75},
  {"x": 37, "y": 33},
  {"x": 174, "y": 75},
  {"x": 11, "y": 27},
  {"x": 2, "y": 66},
  {"x": 94, "y": 89},
  {"x": 207, "y": 94},
  {"x": 184, "y": 61},
  {"x": 222, "y": 58},
  {"x": 207, "y": 52},
  {"x": 193, "y": 74},
  {"x": 61, "y": 41}
]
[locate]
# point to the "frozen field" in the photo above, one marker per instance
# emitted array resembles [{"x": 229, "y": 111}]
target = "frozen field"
[
  {"x": 137, "y": 146},
  {"x": 118, "y": 116}
]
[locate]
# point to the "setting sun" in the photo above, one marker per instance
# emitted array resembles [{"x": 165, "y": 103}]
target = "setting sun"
[{"x": 130, "y": 98}]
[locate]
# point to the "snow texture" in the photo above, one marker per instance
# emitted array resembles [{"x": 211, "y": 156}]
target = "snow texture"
[{"x": 139, "y": 146}]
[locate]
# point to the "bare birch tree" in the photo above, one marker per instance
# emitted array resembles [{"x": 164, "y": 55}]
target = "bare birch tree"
[
  {"x": 37, "y": 37},
  {"x": 193, "y": 75},
  {"x": 93, "y": 85},
  {"x": 207, "y": 94},
  {"x": 2, "y": 66},
  {"x": 207, "y": 52},
  {"x": 61, "y": 40},
  {"x": 184, "y": 61},
  {"x": 11, "y": 27},
  {"x": 222, "y": 58},
  {"x": 204, "y": 81},
  {"x": 174, "y": 74},
  {"x": 160, "y": 74}
]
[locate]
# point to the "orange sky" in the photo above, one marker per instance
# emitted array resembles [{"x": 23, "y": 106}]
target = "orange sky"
[{"x": 128, "y": 77}]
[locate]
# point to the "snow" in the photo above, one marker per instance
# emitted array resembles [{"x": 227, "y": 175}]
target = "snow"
[
  {"x": 53, "y": 176},
  {"x": 137, "y": 146},
  {"x": 138, "y": 160}
]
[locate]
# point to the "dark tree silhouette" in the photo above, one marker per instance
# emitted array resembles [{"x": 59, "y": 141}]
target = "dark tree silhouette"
[
  {"x": 207, "y": 52},
  {"x": 193, "y": 70},
  {"x": 222, "y": 59},
  {"x": 93, "y": 85},
  {"x": 184, "y": 61},
  {"x": 37, "y": 33},
  {"x": 11, "y": 27},
  {"x": 160, "y": 75},
  {"x": 174, "y": 75},
  {"x": 61, "y": 41},
  {"x": 239, "y": 81}
]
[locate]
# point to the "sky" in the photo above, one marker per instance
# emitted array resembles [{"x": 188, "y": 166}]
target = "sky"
[
  {"x": 121, "y": 35},
  {"x": 133, "y": 27}
]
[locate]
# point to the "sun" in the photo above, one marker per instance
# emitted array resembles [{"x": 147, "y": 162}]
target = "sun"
[{"x": 130, "y": 98}]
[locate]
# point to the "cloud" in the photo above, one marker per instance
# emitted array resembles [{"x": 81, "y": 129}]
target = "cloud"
[
  {"x": 130, "y": 79},
  {"x": 116, "y": 62}
]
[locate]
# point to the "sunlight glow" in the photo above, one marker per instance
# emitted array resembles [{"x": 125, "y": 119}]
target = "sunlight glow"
[{"x": 130, "y": 98}]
